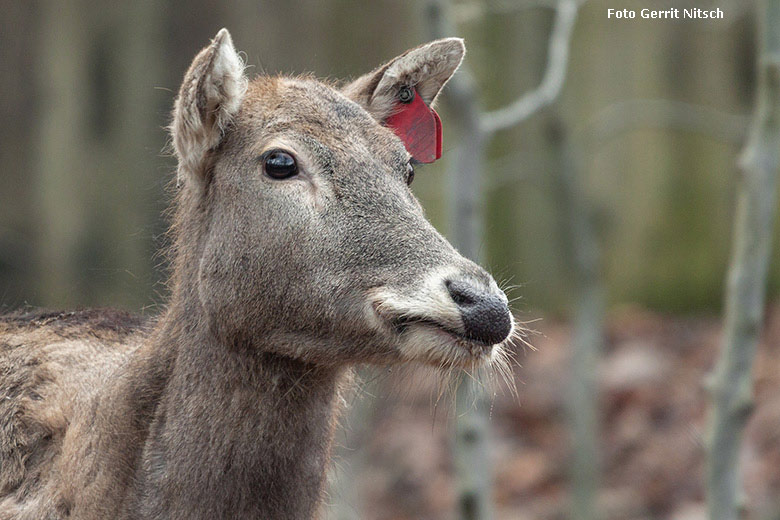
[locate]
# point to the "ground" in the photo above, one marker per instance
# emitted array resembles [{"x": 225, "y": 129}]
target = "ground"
[{"x": 654, "y": 403}]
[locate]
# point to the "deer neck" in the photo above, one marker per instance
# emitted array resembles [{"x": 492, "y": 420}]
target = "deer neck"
[{"x": 238, "y": 433}]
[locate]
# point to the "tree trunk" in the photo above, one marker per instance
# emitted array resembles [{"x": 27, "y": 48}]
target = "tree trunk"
[
  {"x": 745, "y": 294},
  {"x": 472, "y": 461},
  {"x": 582, "y": 253},
  {"x": 471, "y": 453}
]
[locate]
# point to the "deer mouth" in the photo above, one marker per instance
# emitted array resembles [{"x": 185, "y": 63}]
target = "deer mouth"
[
  {"x": 432, "y": 327},
  {"x": 476, "y": 347}
]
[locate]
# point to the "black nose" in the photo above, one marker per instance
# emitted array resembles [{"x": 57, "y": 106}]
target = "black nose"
[{"x": 485, "y": 315}]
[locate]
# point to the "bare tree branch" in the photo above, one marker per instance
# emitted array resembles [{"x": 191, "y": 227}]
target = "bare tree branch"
[
  {"x": 469, "y": 12},
  {"x": 554, "y": 75},
  {"x": 622, "y": 117},
  {"x": 467, "y": 179},
  {"x": 617, "y": 120},
  {"x": 732, "y": 389}
]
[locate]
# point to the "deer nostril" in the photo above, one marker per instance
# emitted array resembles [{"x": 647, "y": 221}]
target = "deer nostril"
[
  {"x": 485, "y": 315},
  {"x": 461, "y": 293}
]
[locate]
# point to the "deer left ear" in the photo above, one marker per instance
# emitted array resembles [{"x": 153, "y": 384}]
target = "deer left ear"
[
  {"x": 209, "y": 97},
  {"x": 425, "y": 69}
]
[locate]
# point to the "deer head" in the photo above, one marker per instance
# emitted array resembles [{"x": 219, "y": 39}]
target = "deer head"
[{"x": 297, "y": 231}]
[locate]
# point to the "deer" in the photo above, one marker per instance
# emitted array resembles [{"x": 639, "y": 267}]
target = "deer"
[{"x": 298, "y": 252}]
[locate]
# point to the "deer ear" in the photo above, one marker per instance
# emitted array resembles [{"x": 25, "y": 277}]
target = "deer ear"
[
  {"x": 425, "y": 68},
  {"x": 209, "y": 97}
]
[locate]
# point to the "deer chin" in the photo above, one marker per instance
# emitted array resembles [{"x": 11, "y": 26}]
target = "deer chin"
[{"x": 432, "y": 343}]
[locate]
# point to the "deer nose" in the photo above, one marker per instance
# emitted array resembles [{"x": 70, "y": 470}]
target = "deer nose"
[{"x": 485, "y": 314}]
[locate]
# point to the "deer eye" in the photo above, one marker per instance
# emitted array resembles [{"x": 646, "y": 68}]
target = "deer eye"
[
  {"x": 409, "y": 173},
  {"x": 279, "y": 164}
]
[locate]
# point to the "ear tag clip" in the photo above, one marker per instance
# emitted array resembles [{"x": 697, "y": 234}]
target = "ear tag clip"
[{"x": 418, "y": 126}]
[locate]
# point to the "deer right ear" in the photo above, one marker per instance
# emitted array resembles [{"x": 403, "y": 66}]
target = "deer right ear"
[
  {"x": 425, "y": 68},
  {"x": 209, "y": 97},
  {"x": 400, "y": 93}
]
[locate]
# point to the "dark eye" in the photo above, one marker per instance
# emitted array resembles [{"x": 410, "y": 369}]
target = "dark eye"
[
  {"x": 409, "y": 173},
  {"x": 279, "y": 164}
]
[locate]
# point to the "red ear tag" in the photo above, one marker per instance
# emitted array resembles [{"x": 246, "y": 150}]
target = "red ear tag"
[{"x": 419, "y": 127}]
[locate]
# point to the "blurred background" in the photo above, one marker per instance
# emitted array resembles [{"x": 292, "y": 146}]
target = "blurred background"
[{"x": 651, "y": 118}]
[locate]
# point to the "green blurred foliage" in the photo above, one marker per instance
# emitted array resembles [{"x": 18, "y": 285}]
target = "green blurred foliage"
[{"x": 86, "y": 88}]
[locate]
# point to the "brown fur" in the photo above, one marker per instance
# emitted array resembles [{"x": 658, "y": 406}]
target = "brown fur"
[{"x": 224, "y": 406}]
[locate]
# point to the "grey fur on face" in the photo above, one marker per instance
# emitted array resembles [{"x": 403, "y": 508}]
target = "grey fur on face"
[{"x": 309, "y": 260}]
